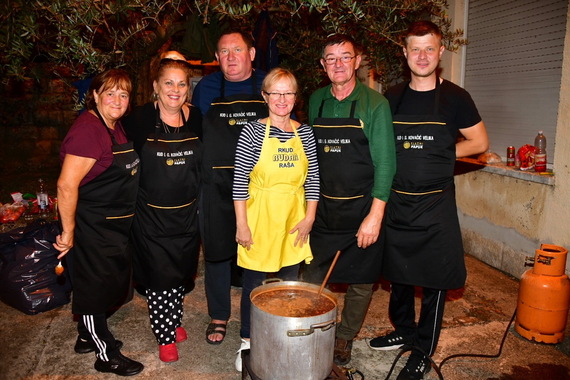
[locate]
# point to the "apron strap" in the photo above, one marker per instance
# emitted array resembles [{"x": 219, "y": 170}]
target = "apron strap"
[
  {"x": 253, "y": 85},
  {"x": 158, "y": 122},
  {"x": 321, "y": 108},
  {"x": 268, "y": 126},
  {"x": 182, "y": 115},
  {"x": 253, "y": 82},
  {"x": 352, "y": 108},
  {"x": 407, "y": 88},
  {"x": 106, "y": 127},
  {"x": 437, "y": 91}
]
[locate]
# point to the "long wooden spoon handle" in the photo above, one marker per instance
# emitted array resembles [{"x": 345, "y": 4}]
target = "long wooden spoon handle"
[{"x": 329, "y": 272}]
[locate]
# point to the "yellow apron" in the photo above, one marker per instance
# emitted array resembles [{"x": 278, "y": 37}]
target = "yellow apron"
[{"x": 276, "y": 204}]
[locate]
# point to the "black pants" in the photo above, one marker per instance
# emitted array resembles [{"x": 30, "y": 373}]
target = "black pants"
[
  {"x": 217, "y": 281},
  {"x": 402, "y": 313},
  {"x": 94, "y": 327}
]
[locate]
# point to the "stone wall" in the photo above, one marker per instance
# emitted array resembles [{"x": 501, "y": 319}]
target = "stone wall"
[{"x": 35, "y": 117}]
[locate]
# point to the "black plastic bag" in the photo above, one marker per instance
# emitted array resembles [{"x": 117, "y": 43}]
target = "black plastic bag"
[{"x": 27, "y": 276}]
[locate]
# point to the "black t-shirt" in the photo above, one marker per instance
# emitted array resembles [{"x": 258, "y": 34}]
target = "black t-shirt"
[
  {"x": 141, "y": 122},
  {"x": 455, "y": 104}
]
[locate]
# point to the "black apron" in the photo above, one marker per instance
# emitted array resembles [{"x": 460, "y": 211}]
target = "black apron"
[
  {"x": 347, "y": 179},
  {"x": 165, "y": 230},
  {"x": 222, "y": 126},
  {"x": 101, "y": 268},
  {"x": 423, "y": 238}
]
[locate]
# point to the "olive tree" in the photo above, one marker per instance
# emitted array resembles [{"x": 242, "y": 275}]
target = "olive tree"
[{"x": 79, "y": 38}]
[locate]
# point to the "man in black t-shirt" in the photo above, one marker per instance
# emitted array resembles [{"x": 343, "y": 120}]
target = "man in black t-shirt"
[{"x": 423, "y": 239}]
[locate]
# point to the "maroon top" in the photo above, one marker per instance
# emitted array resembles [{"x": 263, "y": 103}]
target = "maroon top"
[{"x": 88, "y": 137}]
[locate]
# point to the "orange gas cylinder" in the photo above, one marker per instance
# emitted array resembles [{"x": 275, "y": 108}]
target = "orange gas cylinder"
[{"x": 544, "y": 297}]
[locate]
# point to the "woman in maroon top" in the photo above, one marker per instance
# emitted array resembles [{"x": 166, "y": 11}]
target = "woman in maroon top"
[{"x": 96, "y": 193}]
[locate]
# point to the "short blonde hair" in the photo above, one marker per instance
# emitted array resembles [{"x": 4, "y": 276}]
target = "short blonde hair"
[{"x": 276, "y": 75}]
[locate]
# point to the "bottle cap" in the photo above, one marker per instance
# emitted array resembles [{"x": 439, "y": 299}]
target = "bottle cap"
[{"x": 540, "y": 132}]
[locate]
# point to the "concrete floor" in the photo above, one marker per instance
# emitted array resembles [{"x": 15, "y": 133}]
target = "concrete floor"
[{"x": 40, "y": 347}]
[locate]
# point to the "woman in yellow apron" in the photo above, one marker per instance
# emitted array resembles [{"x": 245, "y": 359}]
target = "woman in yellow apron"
[{"x": 275, "y": 192}]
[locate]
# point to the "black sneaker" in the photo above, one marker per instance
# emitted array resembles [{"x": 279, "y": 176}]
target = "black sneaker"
[
  {"x": 119, "y": 365},
  {"x": 87, "y": 346},
  {"x": 389, "y": 342},
  {"x": 416, "y": 367}
]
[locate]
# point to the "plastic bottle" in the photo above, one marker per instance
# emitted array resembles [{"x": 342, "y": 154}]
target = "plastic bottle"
[
  {"x": 42, "y": 198},
  {"x": 540, "y": 152}
]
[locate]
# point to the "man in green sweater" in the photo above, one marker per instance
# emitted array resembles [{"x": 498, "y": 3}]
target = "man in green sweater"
[{"x": 356, "y": 151}]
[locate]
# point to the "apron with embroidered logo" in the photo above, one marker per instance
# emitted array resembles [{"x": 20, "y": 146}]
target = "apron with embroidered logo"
[
  {"x": 165, "y": 230},
  {"x": 222, "y": 126},
  {"x": 347, "y": 178},
  {"x": 101, "y": 268},
  {"x": 423, "y": 238},
  {"x": 276, "y": 205}
]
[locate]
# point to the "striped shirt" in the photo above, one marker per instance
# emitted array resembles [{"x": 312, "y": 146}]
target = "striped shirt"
[{"x": 249, "y": 149}]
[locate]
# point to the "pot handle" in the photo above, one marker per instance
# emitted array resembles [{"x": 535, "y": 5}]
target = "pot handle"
[
  {"x": 270, "y": 280},
  {"x": 304, "y": 332}
]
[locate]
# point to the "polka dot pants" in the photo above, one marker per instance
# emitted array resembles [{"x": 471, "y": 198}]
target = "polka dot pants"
[{"x": 165, "y": 308}]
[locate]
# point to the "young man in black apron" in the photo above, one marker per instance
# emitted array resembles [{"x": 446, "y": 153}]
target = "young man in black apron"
[
  {"x": 227, "y": 99},
  {"x": 355, "y": 147},
  {"x": 423, "y": 238}
]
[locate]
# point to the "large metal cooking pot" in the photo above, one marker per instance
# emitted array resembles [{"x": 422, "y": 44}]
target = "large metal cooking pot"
[{"x": 292, "y": 347}]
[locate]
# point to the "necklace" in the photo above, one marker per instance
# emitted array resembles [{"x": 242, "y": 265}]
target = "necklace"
[{"x": 166, "y": 127}]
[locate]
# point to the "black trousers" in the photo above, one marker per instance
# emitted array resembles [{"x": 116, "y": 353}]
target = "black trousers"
[
  {"x": 93, "y": 327},
  {"x": 402, "y": 313},
  {"x": 217, "y": 282}
]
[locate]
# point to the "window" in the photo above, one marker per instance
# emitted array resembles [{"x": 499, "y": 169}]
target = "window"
[{"x": 513, "y": 68}]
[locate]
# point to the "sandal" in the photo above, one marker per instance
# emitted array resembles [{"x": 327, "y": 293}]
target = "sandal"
[{"x": 216, "y": 328}]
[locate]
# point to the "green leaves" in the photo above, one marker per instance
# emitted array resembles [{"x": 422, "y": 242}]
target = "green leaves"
[{"x": 83, "y": 37}]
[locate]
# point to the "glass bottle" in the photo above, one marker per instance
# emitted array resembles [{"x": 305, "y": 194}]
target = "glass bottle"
[
  {"x": 540, "y": 152},
  {"x": 42, "y": 198}
]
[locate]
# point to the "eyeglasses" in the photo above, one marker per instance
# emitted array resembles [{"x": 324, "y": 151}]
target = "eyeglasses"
[
  {"x": 278, "y": 95},
  {"x": 333, "y": 60},
  {"x": 166, "y": 61}
]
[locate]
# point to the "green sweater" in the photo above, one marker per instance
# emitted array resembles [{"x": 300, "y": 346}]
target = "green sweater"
[{"x": 373, "y": 110}]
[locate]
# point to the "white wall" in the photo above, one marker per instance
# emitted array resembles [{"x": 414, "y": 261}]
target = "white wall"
[{"x": 505, "y": 219}]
